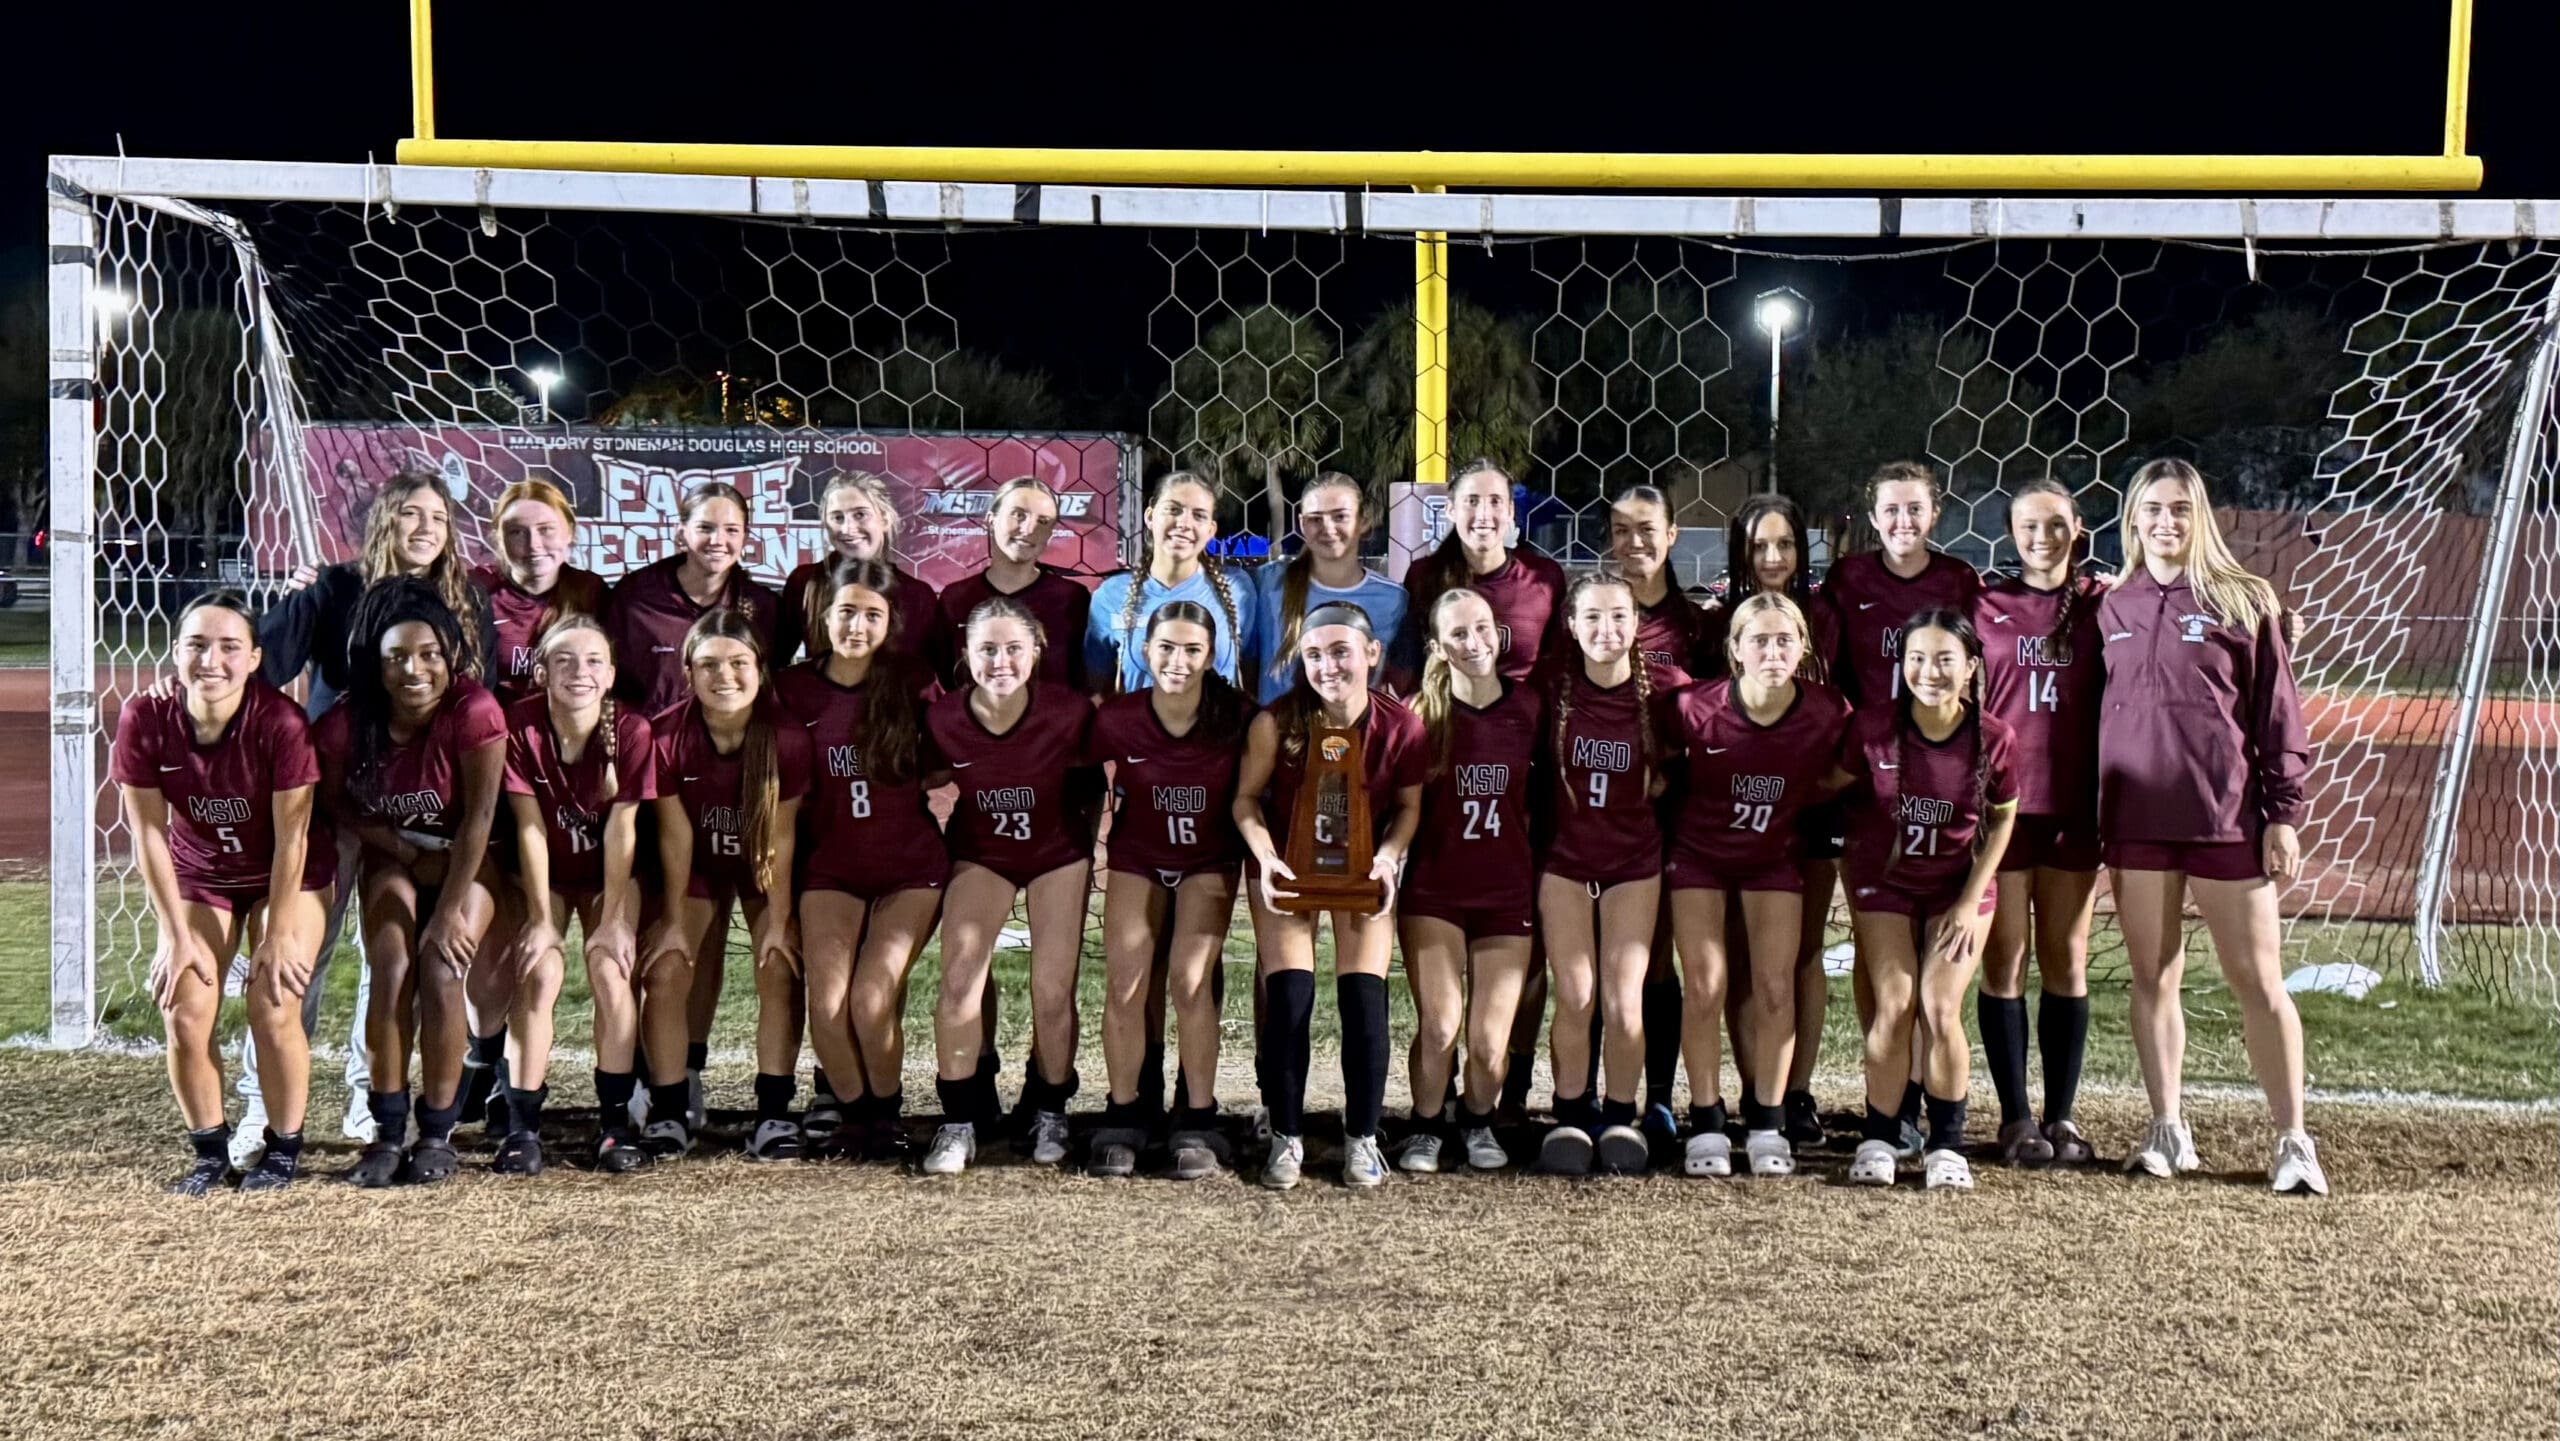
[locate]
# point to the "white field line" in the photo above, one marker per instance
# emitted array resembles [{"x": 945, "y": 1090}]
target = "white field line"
[{"x": 1236, "y": 1080}]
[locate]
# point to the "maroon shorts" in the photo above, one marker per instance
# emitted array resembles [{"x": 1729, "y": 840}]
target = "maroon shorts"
[
  {"x": 1686, "y": 874},
  {"x": 868, "y": 878},
  {"x": 1023, "y": 870},
  {"x": 1602, "y": 876},
  {"x": 319, "y": 873},
  {"x": 2209, "y": 861},
  {"x": 1598, "y": 886},
  {"x": 1894, "y": 900},
  {"x": 1172, "y": 877},
  {"x": 1477, "y": 923},
  {"x": 2059, "y": 843}
]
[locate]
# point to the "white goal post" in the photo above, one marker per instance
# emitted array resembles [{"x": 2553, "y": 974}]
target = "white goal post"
[{"x": 2372, "y": 376}]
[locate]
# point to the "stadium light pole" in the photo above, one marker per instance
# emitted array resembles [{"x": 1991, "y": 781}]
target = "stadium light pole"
[
  {"x": 1780, "y": 312},
  {"x": 543, "y": 378}
]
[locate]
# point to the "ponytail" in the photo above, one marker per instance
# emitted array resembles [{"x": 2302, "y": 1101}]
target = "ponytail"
[
  {"x": 760, "y": 790},
  {"x": 1437, "y": 701}
]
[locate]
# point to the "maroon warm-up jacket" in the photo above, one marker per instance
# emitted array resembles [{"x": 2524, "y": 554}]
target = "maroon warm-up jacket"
[{"x": 2201, "y": 741}]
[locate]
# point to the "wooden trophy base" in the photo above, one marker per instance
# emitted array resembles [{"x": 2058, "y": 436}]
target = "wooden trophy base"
[{"x": 1315, "y": 895}]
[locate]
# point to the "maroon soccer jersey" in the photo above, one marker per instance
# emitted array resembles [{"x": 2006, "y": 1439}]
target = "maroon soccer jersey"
[
  {"x": 517, "y": 618},
  {"x": 1872, "y": 604},
  {"x": 1393, "y": 755},
  {"x": 1472, "y": 850},
  {"x": 861, "y": 832},
  {"x": 1526, "y": 593},
  {"x": 647, "y": 617},
  {"x": 571, "y": 794},
  {"x": 1913, "y": 827},
  {"x": 1747, "y": 783},
  {"x": 1057, "y": 602},
  {"x": 2047, "y": 688},
  {"x": 713, "y": 789},
  {"x": 1822, "y": 626},
  {"x": 1014, "y": 815},
  {"x": 1606, "y": 829},
  {"x": 914, "y": 623},
  {"x": 222, "y": 834},
  {"x": 420, "y": 787},
  {"x": 1671, "y": 638},
  {"x": 1176, "y": 794}
]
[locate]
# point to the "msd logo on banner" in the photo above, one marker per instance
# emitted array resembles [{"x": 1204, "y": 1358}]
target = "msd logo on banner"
[{"x": 638, "y": 512}]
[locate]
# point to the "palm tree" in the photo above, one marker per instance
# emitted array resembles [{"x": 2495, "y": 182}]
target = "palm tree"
[
  {"x": 1247, "y": 404},
  {"x": 1495, "y": 399}
]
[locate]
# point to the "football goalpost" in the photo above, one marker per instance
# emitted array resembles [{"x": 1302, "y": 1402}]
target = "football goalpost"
[{"x": 244, "y": 350}]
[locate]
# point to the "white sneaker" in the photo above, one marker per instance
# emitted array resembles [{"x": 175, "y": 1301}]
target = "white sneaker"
[
  {"x": 693, "y": 1101},
  {"x": 1770, "y": 1154},
  {"x": 1947, "y": 1170},
  {"x": 776, "y": 1141},
  {"x": 1048, "y": 1138},
  {"x": 249, "y": 1138},
  {"x": 954, "y": 1147},
  {"x": 1288, "y": 1156},
  {"x": 357, "y": 1124},
  {"x": 1874, "y": 1165},
  {"x": 1363, "y": 1164},
  {"x": 2167, "y": 1149},
  {"x": 1420, "y": 1153},
  {"x": 1710, "y": 1154},
  {"x": 1483, "y": 1151},
  {"x": 2296, "y": 1168}
]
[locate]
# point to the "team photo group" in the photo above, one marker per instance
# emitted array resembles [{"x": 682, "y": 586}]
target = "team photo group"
[{"x": 1605, "y": 822}]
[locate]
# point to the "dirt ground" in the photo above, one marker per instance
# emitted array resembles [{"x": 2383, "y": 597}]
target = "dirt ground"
[{"x": 718, "y": 1298}]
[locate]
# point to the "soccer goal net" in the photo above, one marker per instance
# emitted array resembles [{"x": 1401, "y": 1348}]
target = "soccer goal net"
[{"x": 243, "y": 353}]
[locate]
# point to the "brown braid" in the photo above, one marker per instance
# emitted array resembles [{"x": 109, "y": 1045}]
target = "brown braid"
[
  {"x": 760, "y": 785},
  {"x": 2058, "y": 642},
  {"x": 885, "y": 738}
]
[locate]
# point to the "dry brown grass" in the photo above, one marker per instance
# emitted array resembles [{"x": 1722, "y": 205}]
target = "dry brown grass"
[{"x": 718, "y": 1299}]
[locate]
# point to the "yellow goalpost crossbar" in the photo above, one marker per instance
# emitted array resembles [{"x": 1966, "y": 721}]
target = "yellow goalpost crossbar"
[{"x": 2454, "y": 169}]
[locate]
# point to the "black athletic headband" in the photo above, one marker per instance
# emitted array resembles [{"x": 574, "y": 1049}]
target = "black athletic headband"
[{"x": 1339, "y": 612}]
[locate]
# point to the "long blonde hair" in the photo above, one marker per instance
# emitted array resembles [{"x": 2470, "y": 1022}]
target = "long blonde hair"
[
  {"x": 2228, "y": 590},
  {"x": 446, "y": 573},
  {"x": 1437, "y": 700},
  {"x": 575, "y": 623}
]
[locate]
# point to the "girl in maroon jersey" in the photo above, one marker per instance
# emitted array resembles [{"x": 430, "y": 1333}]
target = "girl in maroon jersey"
[
  {"x": 1761, "y": 748},
  {"x": 2042, "y": 673},
  {"x": 1467, "y": 902},
  {"x": 1338, "y": 656},
  {"x": 217, "y": 782},
  {"x": 1925, "y": 841},
  {"x": 533, "y": 584},
  {"x": 1767, "y": 554},
  {"x": 579, "y": 767},
  {"x": 652, "y": 609},
  {"x": 412, "y": 759},
  {"x": 1524, "y": 588},
  {"x": 2201, "y": 756},
  {"x": 1021, "y": 517},
  {"x": 1015, "y": 745},
  {"x": 873, "y": 865},
  {"x": 731, "y": 771},
  {"x": 861, "y": 520},
  {"x": 1603, "y": 860},
  {"x": 1174, "y": 857}
]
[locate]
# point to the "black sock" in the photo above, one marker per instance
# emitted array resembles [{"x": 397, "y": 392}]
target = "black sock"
[
  {"x": 886, "y": 1110},
  {"x": 959, "y": 1101},
  {"x": 1125, "y": 1115},
  {"x": 2004, "y": 1049},
  {"x": 1522, "y": 1069},
  {"x": 666, "y": 1103},
  {"x": 1909, "y": 1110},
  {"x": 390, "y": 1115},
  {"x": 487, "y": 1050},
  {"x": 1617, "y": 1113},
  {"x": 1757, "y": 1117},
  {"x": 990, "y": 1066},
  {"x": 213, "y": 1143},
  {"x": 613, "y": 1098},
  {"x": 1288, "y": 1006},
  {"x": 1363, "y": 1000},
  {"x": 284, "y": 1150},
  {"x": 436, "y": 1123},
  {"x": 1661, "y": 1038},
  {"x": 1151, "y": 1079},
  {"x": 2062, "y": 1037},
  {"x": 774, "y": 1095},
  {"x": 697, "y": 1055},
  {"x": 524, "y": 1109},
  {"x": 1946, "y": 1124},
  {"x": 1881, "y": 1126},
  {"x": 1578, "y": 1112},
  {"x": 821, "y": 1093},
  {"x": 1707, "y": 1118}
]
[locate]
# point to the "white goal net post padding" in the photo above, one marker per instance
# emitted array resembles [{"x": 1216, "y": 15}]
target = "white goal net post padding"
[{"x": 2357, "y": 378}]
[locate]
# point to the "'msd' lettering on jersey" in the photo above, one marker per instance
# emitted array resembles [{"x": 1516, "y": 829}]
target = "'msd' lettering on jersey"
[
  {"x": 1181, "y": 800},
  {"x": 1769, "y": 789},
  {"x": 1009, "y": 798},
  {"x": 1484, "y": 780},
  {"x": 1593, "y": 753},
  {"x": 844, "y": 762},
  {"x": 1925, "y": 811},
  {"x": 218, "y": 810},
  {"x": 2045, "y": 651}
]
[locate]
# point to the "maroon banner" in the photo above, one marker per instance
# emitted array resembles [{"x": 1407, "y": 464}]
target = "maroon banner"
[{"x": 626, "y": 485}]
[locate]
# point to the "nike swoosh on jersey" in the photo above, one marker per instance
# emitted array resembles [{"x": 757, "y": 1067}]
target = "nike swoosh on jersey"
[
  {"x": 1135, "y": 761},
  {"x": 164, "y": 770},
  {"x": 1880, "y": 765},
  {"x": 1869, "y": 604},
  {"x": 689, "y": 780},
  {"x": 1715, "y": 750},
  {"x": 962, "y": 765},
  {"x": 1998, "y": 619}
]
